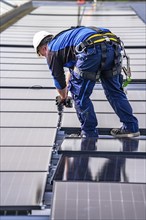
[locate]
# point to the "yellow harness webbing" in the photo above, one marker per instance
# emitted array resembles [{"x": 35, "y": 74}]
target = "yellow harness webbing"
[{"x": 98, "y": 38}]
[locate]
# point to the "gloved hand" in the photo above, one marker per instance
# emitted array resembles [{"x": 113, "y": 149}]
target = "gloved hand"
[
  {"x": 66, "y": 102},
  {"x": 59, "y": 101},
  {"x": 60, "y": 104}
]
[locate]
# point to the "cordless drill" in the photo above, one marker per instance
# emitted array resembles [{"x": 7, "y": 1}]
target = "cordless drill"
[{"x": 68, "y": 103}]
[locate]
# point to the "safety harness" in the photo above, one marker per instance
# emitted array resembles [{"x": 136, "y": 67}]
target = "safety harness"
[
  {"x": 101, "y": 38},
  {"x": 96, "y": 39}
]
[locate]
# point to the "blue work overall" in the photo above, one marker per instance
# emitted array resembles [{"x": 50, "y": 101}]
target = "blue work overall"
[{"x": 81, "y": 89}]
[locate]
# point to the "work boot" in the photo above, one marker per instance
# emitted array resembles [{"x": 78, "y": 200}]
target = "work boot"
[{"x": 122, "y": 132}]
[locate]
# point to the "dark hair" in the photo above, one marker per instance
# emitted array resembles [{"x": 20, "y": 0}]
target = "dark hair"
[{"x": 46, "y": 40}]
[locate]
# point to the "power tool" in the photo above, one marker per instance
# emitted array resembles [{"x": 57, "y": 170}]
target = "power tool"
[{"x": 68, "y": 102}]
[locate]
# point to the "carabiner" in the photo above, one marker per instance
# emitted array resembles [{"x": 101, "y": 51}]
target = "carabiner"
[{"x": 78, "y": 47}]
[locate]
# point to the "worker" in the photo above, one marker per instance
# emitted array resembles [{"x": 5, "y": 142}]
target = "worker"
[{"x": 90, "y": 54}]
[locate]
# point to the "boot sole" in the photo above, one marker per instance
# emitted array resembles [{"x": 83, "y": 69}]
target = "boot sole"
[{"x": 136, "y": 134}]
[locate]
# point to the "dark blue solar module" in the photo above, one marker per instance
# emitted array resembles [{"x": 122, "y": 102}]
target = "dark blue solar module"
[
  {"x": 97, "y": 168},
  {"x": 103, "y": 144}
]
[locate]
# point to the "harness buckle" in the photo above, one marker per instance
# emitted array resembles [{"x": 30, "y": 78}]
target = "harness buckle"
[
  {"x": 89, "y": 42},
  {"x": 79, "y": 48},
  {"x": 106, "y": 38}
]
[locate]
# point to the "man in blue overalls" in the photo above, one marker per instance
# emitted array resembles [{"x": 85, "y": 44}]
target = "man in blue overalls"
[{"x": 90, "y": 53}]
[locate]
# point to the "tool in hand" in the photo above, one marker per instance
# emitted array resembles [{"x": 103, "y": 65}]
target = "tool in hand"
[{"x": 68, "y": 103}]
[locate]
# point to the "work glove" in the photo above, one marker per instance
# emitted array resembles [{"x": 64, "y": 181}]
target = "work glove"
[{"x": 68, "y": 102}]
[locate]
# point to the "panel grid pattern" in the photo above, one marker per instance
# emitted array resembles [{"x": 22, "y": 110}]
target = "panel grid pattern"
[
  {"x": 99, "y": 201},
  {"x": 31, "y": 126}
]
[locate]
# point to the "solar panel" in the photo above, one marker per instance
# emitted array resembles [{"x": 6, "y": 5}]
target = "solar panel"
[
  {"x": 74, "y": 10},
  {"x": 104, "y": 107},
  {"x": 20, "y": 82},
  {"x": 28, "y": 145},
  {"x": 22, "y": 190},
  {"x": 28, "y": 106},
  {"x": 38, "y": 75},
  {"x": 97, "y": 168},
  {"x": 137, "y": 95},
  {"x": 9, "y": 50},
  {"x": 98, "y": 201},
  {"x": 103, "y": 120},
  {"x": 20, "y": 74},
  {"x": 25, "y": 158},
  {"x": 25, "y": 60},
  {"x": 50, "y": 10},
  {"x": 29, "y": 119},
  {"x": 112, "y": 22},
  {"x": 32, "y": 93},
  {"x": 27, "y": 136},
  {"x": 21, "y": 67},
  {"x": 86, "y": 145}
]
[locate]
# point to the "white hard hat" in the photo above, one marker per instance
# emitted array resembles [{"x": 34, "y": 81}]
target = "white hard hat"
[{"x": 38, "y": 37}]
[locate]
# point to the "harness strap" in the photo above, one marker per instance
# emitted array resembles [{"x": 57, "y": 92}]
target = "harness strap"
[
  {"x": 112, "y": 72},
  {"x": 93, "y": 76},
  {"x": 103, "y": 56},
  {"x": 117, "y": 65},
  {"x": 98, "y": 38}
]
